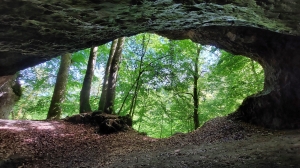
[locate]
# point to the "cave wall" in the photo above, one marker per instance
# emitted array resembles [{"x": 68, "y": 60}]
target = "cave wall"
[{"x": 268, "y": 31}]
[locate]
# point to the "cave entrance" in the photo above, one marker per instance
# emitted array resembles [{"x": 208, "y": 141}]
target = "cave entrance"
[
  {"x": 265, "y": 32},
  {"x": 155, "y": 84}
]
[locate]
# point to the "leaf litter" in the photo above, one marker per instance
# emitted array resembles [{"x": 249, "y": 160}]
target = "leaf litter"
[{"x": 220, "y": 142}]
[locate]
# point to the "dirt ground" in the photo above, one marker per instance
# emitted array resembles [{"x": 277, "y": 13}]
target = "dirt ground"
[{"x": 219, "y": 143}]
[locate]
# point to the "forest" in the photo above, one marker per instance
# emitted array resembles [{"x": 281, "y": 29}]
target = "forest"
[{"x": 166, "y": 86}]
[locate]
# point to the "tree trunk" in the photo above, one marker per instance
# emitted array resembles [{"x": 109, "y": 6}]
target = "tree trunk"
[
  {"x": 60, "y": 87},
  {"x": 123, "y": 103},
  {"x": 134, "y": 98},
  {"x": 10, "y": 92},
  {"x": 161, "y": 124},
  {"x": 87, "y": 82},
  {"x": 137, "y": 87},
  {"x": 195, "y": 89},
  {"x": 112, "y": 78},
  {"x": 137, "y": 81},
  {"x": 106, "y": 74}
]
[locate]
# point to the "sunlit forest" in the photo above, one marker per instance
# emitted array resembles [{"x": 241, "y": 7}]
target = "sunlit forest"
[{"x": 162, "y": 84}]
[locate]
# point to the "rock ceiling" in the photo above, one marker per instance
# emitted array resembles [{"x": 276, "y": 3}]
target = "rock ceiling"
[{"x": 33, "y": 31}]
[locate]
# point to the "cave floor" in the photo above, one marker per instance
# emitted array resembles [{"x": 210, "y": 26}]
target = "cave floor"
[{"x": 219, "y": 143}]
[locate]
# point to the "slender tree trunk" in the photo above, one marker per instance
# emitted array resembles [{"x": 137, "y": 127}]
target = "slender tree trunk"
[
  {"x": 106, "y": 74},
  {"x": 195, "y": 90},
  {"x": 60, "y": 87},
  {"x": 112, "y": 78},
  {"x": 161, "y": 125},
  {"x": 171, "y": 122},
  {"x": 87, "y": 82},
  {"x": 135, "y": 95},
  {"x": 137, "y": 83},
  {"x": 137, "y": 80}
]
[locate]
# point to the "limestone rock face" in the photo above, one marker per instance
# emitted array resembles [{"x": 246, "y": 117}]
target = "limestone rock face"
[{"x": 267, "y": 31}]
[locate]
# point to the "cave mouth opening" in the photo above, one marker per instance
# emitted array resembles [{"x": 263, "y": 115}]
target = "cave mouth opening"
[
  {"x": 224, "y": 80},
  {"x": 250, "y": 29}
]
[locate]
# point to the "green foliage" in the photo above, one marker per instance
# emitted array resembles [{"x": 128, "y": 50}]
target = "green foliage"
[
  {"x": 155, "y": 84},
  {"x": 165, "y": 103},
  {"x": 233, "y": 79},
  {"x": 37, "y": 84}
]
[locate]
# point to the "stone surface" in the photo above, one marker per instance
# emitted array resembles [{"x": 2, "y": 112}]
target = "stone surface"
[
  {"x": 268, "y": 31},
  {"x": 33, "y": 31}
]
